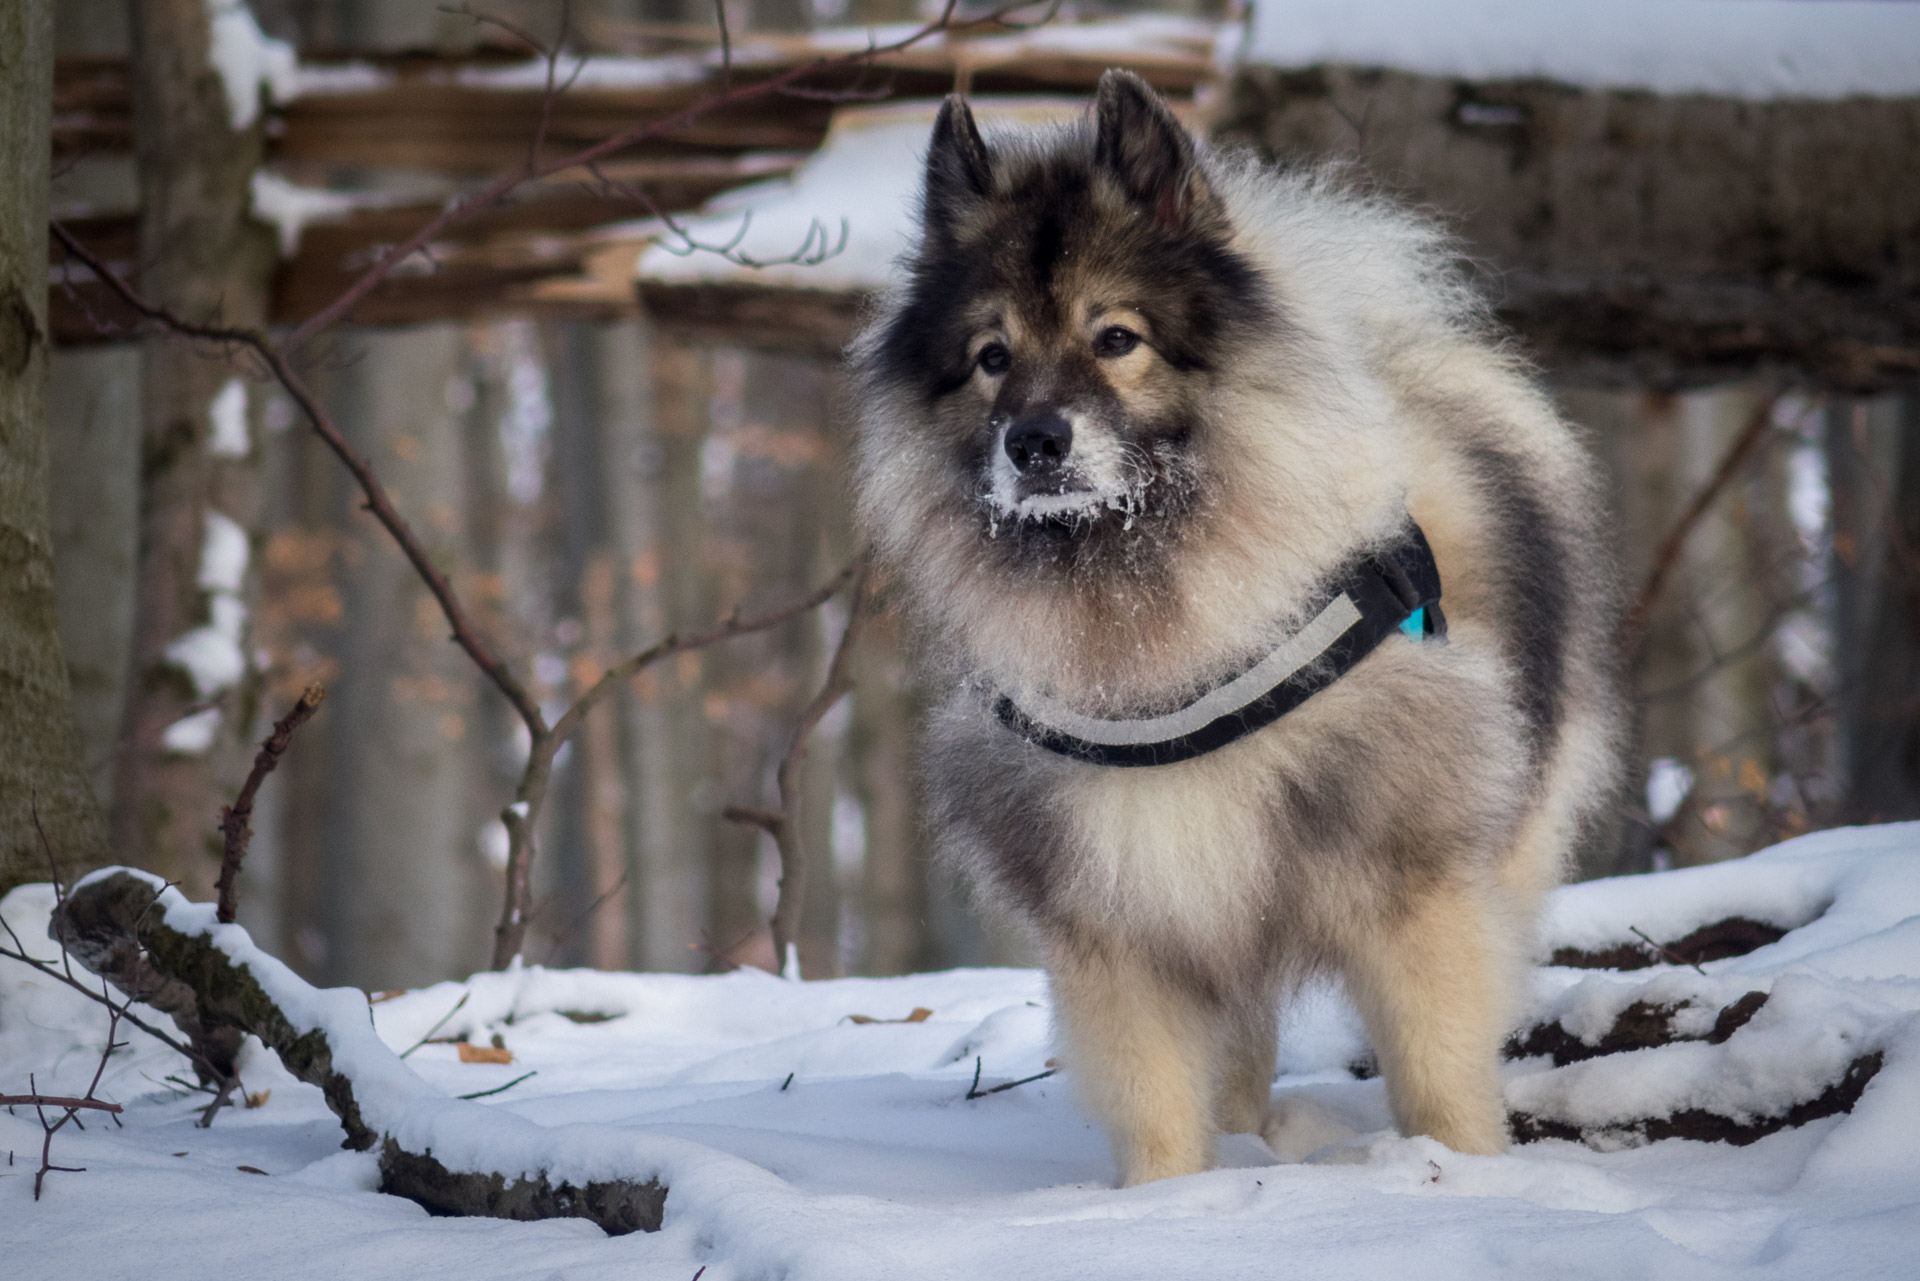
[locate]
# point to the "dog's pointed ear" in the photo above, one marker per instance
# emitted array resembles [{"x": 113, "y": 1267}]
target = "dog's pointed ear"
[
  {"x": 959, "y": 170},
  {"x": 1140, "y": 144}
]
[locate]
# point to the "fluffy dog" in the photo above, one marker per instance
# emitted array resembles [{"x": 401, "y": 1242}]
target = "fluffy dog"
[{"x": 1132, "y": 419}]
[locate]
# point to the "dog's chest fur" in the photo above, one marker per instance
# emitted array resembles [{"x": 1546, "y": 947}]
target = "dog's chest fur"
[
  {"x": 1169, "y": 853},
  {"x": 1401, "y": 774}
]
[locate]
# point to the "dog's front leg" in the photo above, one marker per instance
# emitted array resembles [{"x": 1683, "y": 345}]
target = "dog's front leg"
[
  {"x": 1141, "y": 1054},
  {"x": 1431, "y": 983}
]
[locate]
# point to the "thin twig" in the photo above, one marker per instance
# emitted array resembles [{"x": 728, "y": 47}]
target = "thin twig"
[
  {"x": 1634, "y": 625},
  {"x": 506, "y": 183},
  {"x": 53, "y": 872},
  {"x": 522, "y": 816},
  {"x": 498, "y": 1089},
  {"x": 222, "y": 1096},
  {"x": 47, "y": 1130},
  {"x": 275, "y": 358},
  {"x": 975, "y": 1092},
  {"x": 724, "y": 955},
  {"x": 786, "y": 834},
  {"x": 55, "y": 1101},
  {"x": 563, "y": 937},
  {"x": 466, "y": 633},
  {"x": 234, "y": 818},
  {"x": 1664, "y": 950},
  {"x": 457, "y": 1006}
]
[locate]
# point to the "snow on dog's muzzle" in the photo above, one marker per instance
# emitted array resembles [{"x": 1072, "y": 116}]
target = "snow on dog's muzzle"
[{"x": 1054, "y": 465}]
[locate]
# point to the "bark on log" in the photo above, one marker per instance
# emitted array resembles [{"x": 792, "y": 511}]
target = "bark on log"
[{"x": 110, "y": 925}]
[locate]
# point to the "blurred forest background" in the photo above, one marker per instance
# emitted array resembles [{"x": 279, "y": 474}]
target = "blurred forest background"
[{"x": 596, "y": 471}]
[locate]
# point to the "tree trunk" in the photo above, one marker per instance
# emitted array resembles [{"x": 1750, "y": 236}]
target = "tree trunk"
[
  {"x": 93, "y": 441},
  {"x": 1873, "y": 451},
  {"x": 674, "y": 822},
  {"x": 408, "y": 896},
  {"x": 192, "y": 692},
  {"x": 40, "y": 761}
]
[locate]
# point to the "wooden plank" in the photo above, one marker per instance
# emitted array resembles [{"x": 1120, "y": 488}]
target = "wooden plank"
[
  {"x": 799, "y": 321},
  {"x": 427, "y": 115},
  {"x": 492, "y": 264},
  {"x": 1662, "y": 239}
]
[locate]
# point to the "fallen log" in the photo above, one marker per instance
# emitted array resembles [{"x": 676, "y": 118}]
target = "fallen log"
[
  {"x": 1705, "y": 1126},
  {"x": 139, "y": 934},
  {"x": 1641, "y": 1026},
  {"x": 1734, "y": 936}
]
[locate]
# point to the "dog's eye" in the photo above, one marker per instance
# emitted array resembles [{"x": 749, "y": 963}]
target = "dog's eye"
[
  {"x": 994, "y": 358},
  {"x": 1116, "y": 341}
]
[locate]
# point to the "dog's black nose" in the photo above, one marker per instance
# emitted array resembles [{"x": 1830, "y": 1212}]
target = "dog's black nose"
[{"x": 1039, "y": 443}]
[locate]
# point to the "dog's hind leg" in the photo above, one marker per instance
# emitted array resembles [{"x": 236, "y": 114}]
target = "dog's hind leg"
[
  {"x": 1249, "y": 1037},
  {"x": 1141, "y": 1054},
  {"x": 1432, "y": 985}
]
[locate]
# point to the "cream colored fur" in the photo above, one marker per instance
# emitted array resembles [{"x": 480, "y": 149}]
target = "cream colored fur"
[{"x": 1180, "y": 902}]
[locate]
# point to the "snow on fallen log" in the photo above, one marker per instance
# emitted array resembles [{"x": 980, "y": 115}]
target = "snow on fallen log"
[
  {"x": 1778, "y": 998},
  {"x": 451, "y": 1156}
]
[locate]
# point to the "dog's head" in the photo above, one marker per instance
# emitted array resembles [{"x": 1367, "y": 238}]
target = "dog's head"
[
  {"x": 1073, "y": 297},
  {"x": 1114, "y": 418}
]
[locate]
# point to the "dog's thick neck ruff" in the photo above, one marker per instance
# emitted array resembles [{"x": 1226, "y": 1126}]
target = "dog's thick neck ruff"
[{"x": 1396, "y": 589}]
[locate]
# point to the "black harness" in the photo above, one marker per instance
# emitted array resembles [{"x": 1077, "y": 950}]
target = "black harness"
[{"x": 1393, "y": 590}]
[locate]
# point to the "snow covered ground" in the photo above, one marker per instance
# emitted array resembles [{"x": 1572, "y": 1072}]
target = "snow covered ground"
[{"x": 800, "y": 1143}]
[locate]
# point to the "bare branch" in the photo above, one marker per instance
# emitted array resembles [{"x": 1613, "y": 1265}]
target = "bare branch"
[
  {"x": 500, "y": 187},
  {"x": 522, "y": 816},
  {"x": 466, "y": 633},
  {"x": 1633, "y": 626},
  {"x": 234, "y": 818},
  {"x": 784, "y": 825},
  {"x": 55, "y": 1101},
  {"x": 733, "y": 626},
  {"x": 50, "y": 970}
]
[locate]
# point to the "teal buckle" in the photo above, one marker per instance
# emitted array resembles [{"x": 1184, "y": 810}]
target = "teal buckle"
[{"x": 1415, "y": 624}]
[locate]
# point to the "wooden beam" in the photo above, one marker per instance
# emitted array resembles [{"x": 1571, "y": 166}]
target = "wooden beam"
[
  {"x": 438, "y": 113},
  {"x": 800, "y": 321},
  {"x": 495, "y": 263},
  {"x": 1670, "y": 239}
]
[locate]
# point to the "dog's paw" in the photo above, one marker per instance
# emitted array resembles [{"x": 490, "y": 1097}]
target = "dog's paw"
[{"x": 1297, "y": 1127}]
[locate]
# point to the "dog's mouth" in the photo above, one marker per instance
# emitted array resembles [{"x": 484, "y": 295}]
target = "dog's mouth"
[{"x": 1067, "y": 501}]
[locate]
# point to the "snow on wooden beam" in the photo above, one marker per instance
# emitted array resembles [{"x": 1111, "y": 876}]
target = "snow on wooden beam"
[{"x": 475, "y": 114}]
